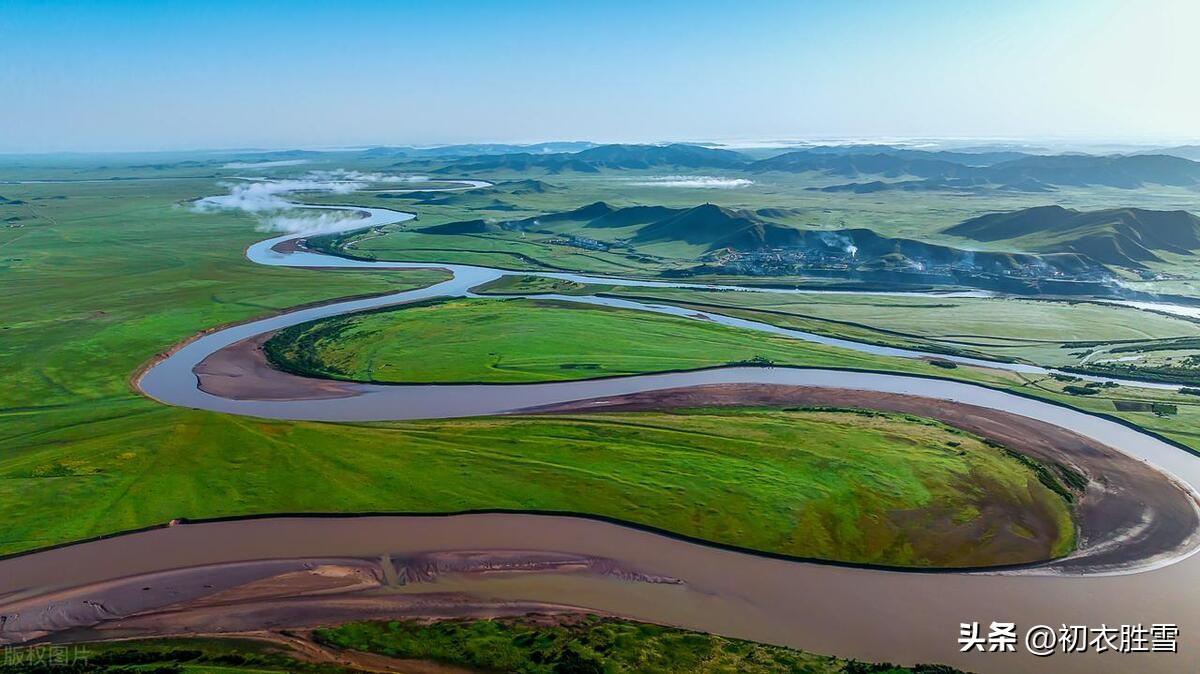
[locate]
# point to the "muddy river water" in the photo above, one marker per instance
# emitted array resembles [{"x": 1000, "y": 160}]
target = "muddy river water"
[{"x": 867, "y": 614}]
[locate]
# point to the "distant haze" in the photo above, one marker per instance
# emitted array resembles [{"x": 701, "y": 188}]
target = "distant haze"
[{"x": 110, "y": 75}]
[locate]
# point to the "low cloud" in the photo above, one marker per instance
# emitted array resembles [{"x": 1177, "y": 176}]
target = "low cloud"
[
  {"x": 706, "y": 182},
  {"x": 267, "y": 195},
  {"x": 265, "y": 200},
  {"x": 329, "y": 221},
  {"x": 359, "y": 176}
]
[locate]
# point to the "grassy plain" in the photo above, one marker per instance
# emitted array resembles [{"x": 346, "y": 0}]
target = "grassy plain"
[
  {"x": 818, "y": 484},
  {"x": 110, "y": 273},
  {"x": 527, "y": 340},
  {"x": 1050, "y": 333},
  {"x": 593, "y": 644},
  {"x": 1089, "y": 337}
]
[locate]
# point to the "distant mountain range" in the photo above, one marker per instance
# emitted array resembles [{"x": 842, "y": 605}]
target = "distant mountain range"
[
  {"x": 604, "y": 157},
  {"x": 1127, "y": 237},
  {"x": 721, "y": 231},
  {"x": 476, "y": 149},
  {"x": 903, "y": 169},
  {"x": 1032, "y": 173},
  {"x": 1063, "y": 240}
]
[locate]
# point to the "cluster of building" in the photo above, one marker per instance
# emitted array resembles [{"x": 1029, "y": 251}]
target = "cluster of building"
[
  {"x": 802, "y": 260},
  {"x": 579, "y": 242}
]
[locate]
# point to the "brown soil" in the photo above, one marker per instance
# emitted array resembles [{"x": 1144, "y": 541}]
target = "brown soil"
[
  {"x": 288, "y": 246},
  {"x": 292, "y": 593},
  {"x": 241, "y": 372},
  {"x": 136, "y": 375}
]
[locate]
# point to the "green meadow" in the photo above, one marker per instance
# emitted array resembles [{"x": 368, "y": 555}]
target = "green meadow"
[
  {"x": 112, "y": 273},
  {"x": 528, "y": 340}
]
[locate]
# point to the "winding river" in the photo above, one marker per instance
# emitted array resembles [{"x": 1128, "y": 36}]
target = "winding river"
[{"x": 861, "y": 613}]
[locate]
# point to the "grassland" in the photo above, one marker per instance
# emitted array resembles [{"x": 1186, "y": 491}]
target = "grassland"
[
  {"x": 1083, "y": 337},
  {"x": 1049, "y": 333},
  {"x": 922, "y": 215},
  {"x": 505, "y": 352},
  {"x": 524, "y": 646},
  {"x": 820, "y": 484},
  {"x": 526, "y": 340},
  {"x": 110, "y": 273}
]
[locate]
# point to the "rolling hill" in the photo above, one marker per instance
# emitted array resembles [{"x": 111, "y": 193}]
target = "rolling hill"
[
  {"x": 1026, "y": 173},
  {"x": 708, "y": 225},
  {"x": 651, "y": 156},
  {"x": 1127, "y": 237},
  {"x": 632, "y": 157},
  {"x": 853, "y": 165},
  {"x": 920, "y": 169},
  {"x": 1112, "y": 171},
  {"x": 462, "y": 227},
  {"x": 753, "y": 241}
]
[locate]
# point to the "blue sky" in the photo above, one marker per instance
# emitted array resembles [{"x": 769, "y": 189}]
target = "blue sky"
[{"x": 170, "y": 75}]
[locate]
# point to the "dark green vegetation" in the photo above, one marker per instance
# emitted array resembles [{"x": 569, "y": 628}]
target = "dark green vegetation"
[
  {"x": 529, "y": 645},
  {"x": 589, "y": 645},
  {"x": 514, "y": 284},
  {"x": 164, "y": 656},
  {"x": 1173, "y": 361}
]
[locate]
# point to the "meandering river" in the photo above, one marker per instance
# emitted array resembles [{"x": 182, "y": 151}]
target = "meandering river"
[{"x": 866, "y": 614}]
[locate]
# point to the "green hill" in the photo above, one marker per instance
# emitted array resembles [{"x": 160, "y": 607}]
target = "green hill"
[
  {"x": 1125, "y": 237},
  {"x": 462, "y": 227},
  {"x": 633, "y": 215},
  {"x": 527, "y": 186},
  {"x": 650, "y": 156},
  {"x": 1127, "y": 172},
  {"x": 705, "y": 224}
]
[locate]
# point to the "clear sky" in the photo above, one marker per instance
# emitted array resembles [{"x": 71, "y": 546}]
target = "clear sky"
[{"x": 170, "y": 75}]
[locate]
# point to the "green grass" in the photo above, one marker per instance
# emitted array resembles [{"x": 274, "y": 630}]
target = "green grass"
[
  {"x": 527, "y": 340},
  {"x": 817, "y": 484},
  {"x": 1049, "y": 333},
  {"x": 116, "y": 272},
  {"x": 919, "y": 215},
  {"x": 1079, "y": 336},
  {"x": 586, "y": 646}
]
